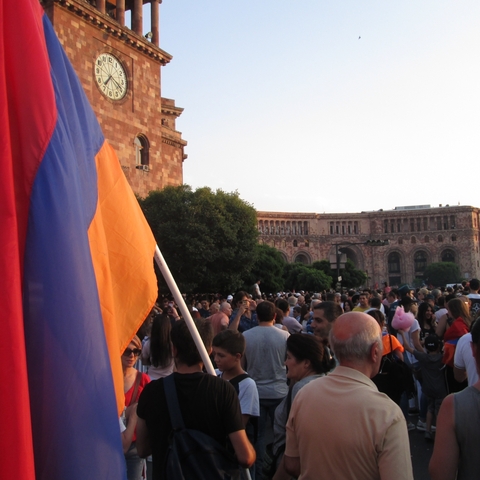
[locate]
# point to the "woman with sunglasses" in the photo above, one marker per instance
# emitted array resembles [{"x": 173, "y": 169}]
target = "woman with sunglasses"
[{"x": 133, "y": 383}]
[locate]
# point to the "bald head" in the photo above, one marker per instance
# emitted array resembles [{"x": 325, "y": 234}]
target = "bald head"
[
  {"x": 352, "y": 337},
  {"x": 226, "y": 308}
]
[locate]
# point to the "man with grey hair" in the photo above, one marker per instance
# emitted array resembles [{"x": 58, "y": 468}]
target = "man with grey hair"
[
  {"x": 362, "y": 433},
  {"x": 220, "y": 319}
]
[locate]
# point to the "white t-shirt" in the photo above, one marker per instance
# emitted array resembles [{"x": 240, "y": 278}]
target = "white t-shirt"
[
  {"x": 415, "y": 326},
  {"x": 440, "y": 313},
  {"x": 247, "y": 396},
  {"x": 464, "y": 358}
]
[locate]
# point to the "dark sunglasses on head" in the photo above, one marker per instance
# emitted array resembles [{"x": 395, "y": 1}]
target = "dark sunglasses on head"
[{"x": 129, "y": 351}]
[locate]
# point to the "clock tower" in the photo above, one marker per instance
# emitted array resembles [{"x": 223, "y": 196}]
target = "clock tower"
[{"x": 120, "y": 70}]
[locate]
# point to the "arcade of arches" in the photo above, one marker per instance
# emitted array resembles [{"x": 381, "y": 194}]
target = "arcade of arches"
[{"x": 417, "y": 237}]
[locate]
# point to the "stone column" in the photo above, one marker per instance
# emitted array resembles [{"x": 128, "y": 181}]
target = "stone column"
[
  {"x": 137, "y": 23},
  {"x": 155, "y": 17},
  {"x": 101, "y": 5},
  {"x": 121, "y": 12}
]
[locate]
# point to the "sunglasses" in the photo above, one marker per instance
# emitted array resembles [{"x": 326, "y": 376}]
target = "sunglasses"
[{"x": 129, "y": 351}]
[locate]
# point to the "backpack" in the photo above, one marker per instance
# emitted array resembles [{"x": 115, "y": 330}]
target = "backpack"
[
  {"x": 394, "y": 376},
  {"x": 192, "y": 454}
]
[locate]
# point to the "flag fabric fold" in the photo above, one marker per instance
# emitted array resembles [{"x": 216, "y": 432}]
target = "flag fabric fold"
[{"x": 77, "y": 263}]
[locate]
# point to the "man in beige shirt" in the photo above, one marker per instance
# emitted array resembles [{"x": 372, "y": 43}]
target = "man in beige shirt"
[{"x": 341, "y": 426}]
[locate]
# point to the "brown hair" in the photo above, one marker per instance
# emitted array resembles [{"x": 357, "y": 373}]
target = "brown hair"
[{"x": 459, "y": 309}]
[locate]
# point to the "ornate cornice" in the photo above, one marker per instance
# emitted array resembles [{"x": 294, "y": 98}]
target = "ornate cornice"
[
  {"x": 110, "y": 26},
  {"x": 174, "y": 141}
]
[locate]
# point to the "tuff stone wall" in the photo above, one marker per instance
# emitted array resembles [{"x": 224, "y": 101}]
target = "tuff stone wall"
[
  {"x": 416, "y": 238},
  {"x": 85, "y": 33}
]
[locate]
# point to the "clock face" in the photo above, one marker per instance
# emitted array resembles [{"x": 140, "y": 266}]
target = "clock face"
[{"x": 110, "y": 76}]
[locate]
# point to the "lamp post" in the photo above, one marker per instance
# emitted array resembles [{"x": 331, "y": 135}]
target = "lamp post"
[{"x": 371, "y": 243}]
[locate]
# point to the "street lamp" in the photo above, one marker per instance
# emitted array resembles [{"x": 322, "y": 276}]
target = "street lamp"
[{"x": 370, "y": 243}]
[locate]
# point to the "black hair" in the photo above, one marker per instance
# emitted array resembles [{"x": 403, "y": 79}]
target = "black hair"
[
  {"x": 238, "y": 297},
  {"x": 474, "y": 284},
  {"x": 265, "y": 311},
  {"x": 231, "y": 341},
  {"x": 475, "y": 331},
  {"x": 331, "y": 310},
  {"x": 182, "y": 340},
  {"x": 160, "y": 348},
  {"x": 279, "y": 316},
  {"x": 422, "y": 319},
  {"x": 375, "y": 302},
  {"x": 282, "y": 305},
  {"x": 308, "y": 347}
]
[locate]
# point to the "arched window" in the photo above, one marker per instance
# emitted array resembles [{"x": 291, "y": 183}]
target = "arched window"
[
  {"x": 394, "y": 269},
  {"x": 413, "y": 239},
  {"x": 420, "y": 262},
  {"x": 302, "y": 258},
  {"x": 394, "y": 263},
  {"x": 295, "y": 243},
  {"x": 142, "y": 149},
  {"x": 454, "y": 238},
  {"x": 440, "y": 238},
  {"x": 448, "y": 255},
  {"x": 427, "y": 239}
]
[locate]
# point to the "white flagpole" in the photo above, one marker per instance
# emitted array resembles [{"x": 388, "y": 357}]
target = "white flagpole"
[{"x": 167, "y": 275}]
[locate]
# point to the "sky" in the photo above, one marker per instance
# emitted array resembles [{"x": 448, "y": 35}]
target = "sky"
[{"x": 327, "y": 106}]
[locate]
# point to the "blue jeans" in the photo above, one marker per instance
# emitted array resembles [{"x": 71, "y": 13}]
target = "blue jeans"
[
  {"x": 267, "y": 412},
  {"x": 135, "y": 464}
]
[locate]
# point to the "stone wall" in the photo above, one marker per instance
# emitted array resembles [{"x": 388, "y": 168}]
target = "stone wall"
[
  {"x": 85, "y": 33},
  {"x": 416, "y": 238}
]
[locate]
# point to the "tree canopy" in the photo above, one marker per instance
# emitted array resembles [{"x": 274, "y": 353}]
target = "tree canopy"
[
  {"x": 352, "y": 277},
  {"x": 267, "y": 267},
  {"x": 304, "y": 277},
  {"x": 441, "y": 273},
  {"x": 207, "y": 238}
]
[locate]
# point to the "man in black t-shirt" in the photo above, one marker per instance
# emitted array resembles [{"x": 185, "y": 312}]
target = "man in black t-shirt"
[{"x": 207, "y": 403}]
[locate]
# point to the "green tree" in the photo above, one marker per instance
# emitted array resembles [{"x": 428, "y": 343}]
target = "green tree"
[
  {"x": 324, "y": 266},
  {"x": 268, "y": 267},
  {"x": 352, "y": 277},
  {"x": 304, "y": 277},
  {"x": 207, "y": 238},
  {"x": 440, "y": 273}
]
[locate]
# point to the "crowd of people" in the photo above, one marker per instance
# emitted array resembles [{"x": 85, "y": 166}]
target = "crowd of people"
[{"x": 332, "y": 374}]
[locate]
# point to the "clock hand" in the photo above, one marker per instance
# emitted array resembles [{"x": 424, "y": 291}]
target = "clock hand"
[
  {"x": 107, "y": 80},
  {"x": 116, "y": 83}
]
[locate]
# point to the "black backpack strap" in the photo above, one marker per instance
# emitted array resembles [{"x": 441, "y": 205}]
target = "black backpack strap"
[
  {"x": 176, "y": 418},
  {"x": 236, "y": 381}
]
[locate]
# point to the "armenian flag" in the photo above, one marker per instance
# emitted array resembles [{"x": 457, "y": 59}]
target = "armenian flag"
[{"x": 76, "y": 263}]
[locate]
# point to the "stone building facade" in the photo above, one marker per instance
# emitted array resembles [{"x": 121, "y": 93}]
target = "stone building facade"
[
  {"x": 120, "y": 70},
  {"x": 417, "y": 236}
]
